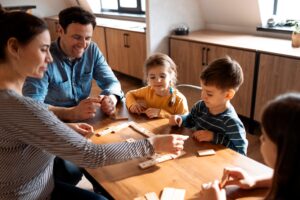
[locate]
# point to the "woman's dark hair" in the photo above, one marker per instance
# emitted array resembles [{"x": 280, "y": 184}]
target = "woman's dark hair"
[
  {"x": 75, "y": 14},
  {"x": 20, "y": 25},
  {"x": 281, "y": 123}
]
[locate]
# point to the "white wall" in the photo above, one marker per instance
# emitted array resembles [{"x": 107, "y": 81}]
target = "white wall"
[
  {"x": 44, "y": 8},
  {"x": 231, "y": 15},
  {"x": 164, "y": 15}
]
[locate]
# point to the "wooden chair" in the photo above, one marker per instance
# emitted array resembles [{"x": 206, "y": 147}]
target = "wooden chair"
[{"x": 191, "y": 92}]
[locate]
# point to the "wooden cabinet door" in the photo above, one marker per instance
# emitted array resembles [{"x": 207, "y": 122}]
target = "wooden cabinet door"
[
  {"x": 99, "y": 39},
  {"x": 52, "y": 25},
  {"x": 116, "y": 51},
  {"x": 276, "y": 75},
  {"x": 188, "y": 58},
  {"x": 243, "y": 97},
  {"x": 136, "y": 46}
]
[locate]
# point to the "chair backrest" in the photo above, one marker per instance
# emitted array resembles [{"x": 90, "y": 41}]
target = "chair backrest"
[{"x": 191, "y": 92}]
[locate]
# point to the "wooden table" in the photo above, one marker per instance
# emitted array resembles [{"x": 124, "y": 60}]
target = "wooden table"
[{"x": 127, "y": 181}]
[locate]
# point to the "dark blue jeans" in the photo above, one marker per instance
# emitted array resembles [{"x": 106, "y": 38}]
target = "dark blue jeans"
[
  {"x": 64, "y": 191},
  {"x": 69, "y": 173}
]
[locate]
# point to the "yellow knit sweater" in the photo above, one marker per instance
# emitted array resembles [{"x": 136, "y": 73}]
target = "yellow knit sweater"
[{"x": 152, "y": 100}]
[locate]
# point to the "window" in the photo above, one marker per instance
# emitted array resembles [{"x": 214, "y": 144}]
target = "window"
[
  {"x": 287, "y": 9},
  {"x": 123, "y": 6}
]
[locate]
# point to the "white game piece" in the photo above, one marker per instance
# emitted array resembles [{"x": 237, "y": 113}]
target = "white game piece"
[
  {"x": 147, "y": 164},
  {"x": 151, "y": 196},
  {"x": 172, "y": 193},
  {"x": 206, "y": 152},
  {"x": 130, "y": 140},
  {"x": 140, "y": 129},
  {"x": 223, "y": 181}
]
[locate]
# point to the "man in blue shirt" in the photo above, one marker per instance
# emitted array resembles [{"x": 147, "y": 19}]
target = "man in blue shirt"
[
  {"x": 66, "y": 85},
  {"x": 77, "y": 60}
]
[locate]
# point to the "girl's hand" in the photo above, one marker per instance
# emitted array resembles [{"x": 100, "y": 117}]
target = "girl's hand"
[
  {"x": 137, "y": 108},
  {"x": 82, "y": 128},
  {"x": 168, "y": 143},
  {"x": 239, "y": 177},
  {"x": 175, "y": 120},
  {"x": 212, "y": 191},
  {"x": 152, "y": 112},
  {"x": 203, "y": 136}
]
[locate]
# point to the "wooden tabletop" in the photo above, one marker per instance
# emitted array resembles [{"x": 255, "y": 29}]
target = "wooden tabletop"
[{"x": 127, "y": 181}]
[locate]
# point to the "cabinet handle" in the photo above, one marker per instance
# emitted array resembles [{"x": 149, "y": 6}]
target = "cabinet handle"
[
  {"x": 125, "y": 37},
  {"x": 207, "y": 50},
  {"x": 203, "y": 51}
]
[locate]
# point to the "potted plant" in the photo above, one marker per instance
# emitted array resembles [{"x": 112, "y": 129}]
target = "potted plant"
[{"x": 296, "y": 35}]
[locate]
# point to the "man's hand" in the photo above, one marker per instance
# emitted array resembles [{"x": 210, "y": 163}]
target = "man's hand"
[
  {"x": 108, "y": 104},
  {"x": 82, "y": 128},
  {"x": 203, "y": 136},
  {"x": 86, "y": 109}
]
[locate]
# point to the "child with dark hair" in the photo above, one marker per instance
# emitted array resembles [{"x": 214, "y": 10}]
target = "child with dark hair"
[{"x": 213, "y": 118}]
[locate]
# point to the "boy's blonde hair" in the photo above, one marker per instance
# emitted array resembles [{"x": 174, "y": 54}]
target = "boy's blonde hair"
[
  {"x": 224, "y": 73},
  {"x": 160, "y": 59}
]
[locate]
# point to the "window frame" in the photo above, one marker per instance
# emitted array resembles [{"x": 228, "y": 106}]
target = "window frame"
[{"x": 123, "y": 10}]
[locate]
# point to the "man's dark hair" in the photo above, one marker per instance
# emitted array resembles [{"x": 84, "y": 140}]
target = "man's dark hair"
[{"x": 75, "y": 14}]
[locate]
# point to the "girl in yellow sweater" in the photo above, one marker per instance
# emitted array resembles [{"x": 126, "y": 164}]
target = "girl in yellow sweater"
[{"x": 159, "y": 98}]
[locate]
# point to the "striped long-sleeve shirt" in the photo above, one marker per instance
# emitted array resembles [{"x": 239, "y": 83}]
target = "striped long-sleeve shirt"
[
  {"x": 227, "y": 128},
  {"x": 30, "y": 136}
]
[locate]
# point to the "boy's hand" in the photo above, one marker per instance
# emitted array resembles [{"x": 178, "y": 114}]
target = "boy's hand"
[
  {"x": 203, "y": 136},
  {"x": 152, "y": 112},
  {"x": 175, "y": 120}
]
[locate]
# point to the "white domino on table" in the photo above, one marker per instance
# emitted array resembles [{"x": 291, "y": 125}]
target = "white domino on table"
[
  {"x": 172, "y": 193},
  {"x": 206, "y": 152},
  {"x": 140, "y": 129},
  {"x": 157, "y": 158},
  {"x": 151, "y": 196}
]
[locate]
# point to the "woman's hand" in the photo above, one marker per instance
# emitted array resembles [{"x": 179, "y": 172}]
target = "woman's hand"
[
  {"x": 168, "y": 143},
  {"x": 239, "y": 177},
  {"x": 212, "y": 191},
  {"x": 82, "y": 128}
]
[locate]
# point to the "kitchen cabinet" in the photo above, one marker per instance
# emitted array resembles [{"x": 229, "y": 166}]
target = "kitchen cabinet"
[
  {"x": 52, "y": 25},
  {"x": 276, "y": 75},
  {"x": 99, "y": 39},
  {"x": 192, "y": 57},
  {"x": 126, "y": 51}
]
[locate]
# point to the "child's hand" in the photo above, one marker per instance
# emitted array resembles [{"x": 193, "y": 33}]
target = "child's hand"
[
  {"x": 152, "y": 112},
  {"x": 203, "y": 136},
  {"x": 137, "y": 108},
  {"x": 175, "y": 120},
  {"x": 239, "y": 177},
  {"x": 212, "y": 191}
]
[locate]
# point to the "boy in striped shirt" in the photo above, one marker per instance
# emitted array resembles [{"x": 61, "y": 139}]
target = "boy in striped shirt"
[{"x": 213, "y": 118}]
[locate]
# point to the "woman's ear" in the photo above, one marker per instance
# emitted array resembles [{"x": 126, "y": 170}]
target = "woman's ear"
[
  {"x": 230, "y": 94},
  {"x": 13, "y": 47}
]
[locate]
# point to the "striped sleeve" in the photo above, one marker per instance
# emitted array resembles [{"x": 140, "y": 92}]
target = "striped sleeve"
[
  {"x": 32, "y": 124},
  {"x": 234, "y": 137}
]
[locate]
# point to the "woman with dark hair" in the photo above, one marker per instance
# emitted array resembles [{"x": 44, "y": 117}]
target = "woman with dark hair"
[
  {"x": 31, "y": 136},
  {"x": 280, "y": 146}
]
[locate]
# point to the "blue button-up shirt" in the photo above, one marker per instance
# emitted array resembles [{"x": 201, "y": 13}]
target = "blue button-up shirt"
[{"x": 66, "y": 82}]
